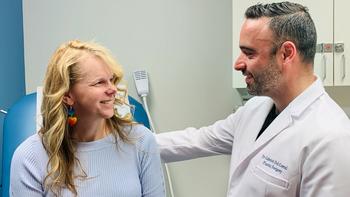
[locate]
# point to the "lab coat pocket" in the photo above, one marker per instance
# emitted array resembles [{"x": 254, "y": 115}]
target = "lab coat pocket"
[{"x": 270, "y": 178}]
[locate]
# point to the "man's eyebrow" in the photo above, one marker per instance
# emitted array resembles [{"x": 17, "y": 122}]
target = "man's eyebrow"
[{"x": 244, "y": 48}]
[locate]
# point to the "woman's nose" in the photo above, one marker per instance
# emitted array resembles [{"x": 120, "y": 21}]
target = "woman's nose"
[{"x": 112, "y": 89}]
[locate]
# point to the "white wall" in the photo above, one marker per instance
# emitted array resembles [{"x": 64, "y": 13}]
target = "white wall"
[{"x": 185, "y": 45}]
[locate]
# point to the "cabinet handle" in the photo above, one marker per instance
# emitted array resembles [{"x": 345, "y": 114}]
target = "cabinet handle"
[
  {"x": 343, "y": 64},
  {"x": 324, "y": 61}
]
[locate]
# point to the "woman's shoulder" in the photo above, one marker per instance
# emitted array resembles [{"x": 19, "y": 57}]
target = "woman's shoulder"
[
  {"x": 28, "y": 165},
  {"x": 31, "y": 143},
  {"x": 141, "y": 131},
  {"x": 142, "y": 135},
  {"x": 30, "y": 149}
]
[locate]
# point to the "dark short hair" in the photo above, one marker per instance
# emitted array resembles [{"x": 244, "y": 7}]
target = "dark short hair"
[{"x": 289, "y": 21}]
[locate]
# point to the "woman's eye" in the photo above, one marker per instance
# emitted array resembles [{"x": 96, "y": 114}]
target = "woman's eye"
[{"x": 98, "y": 83}]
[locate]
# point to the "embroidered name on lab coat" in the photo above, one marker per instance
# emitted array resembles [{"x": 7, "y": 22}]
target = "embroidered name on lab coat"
[{"x": 275, "y": 165}]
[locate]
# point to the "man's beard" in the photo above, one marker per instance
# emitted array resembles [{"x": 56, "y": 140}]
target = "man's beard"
[{"x": 265, "y": 81}]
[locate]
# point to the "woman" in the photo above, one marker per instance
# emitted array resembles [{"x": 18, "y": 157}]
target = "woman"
[{"x": 85, "y": 148}]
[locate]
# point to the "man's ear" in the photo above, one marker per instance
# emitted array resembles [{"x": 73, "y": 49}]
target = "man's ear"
[
  {"x": 288, "y": 51},
  {"x": 67, "y": 99}
]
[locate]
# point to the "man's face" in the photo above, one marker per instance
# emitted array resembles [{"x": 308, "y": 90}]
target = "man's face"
[{"x": 256, "y": 60}]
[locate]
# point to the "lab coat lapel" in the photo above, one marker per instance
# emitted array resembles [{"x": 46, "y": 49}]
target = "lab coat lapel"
[
  {"x": 282, "y": 121},
  {"x": 247, "y": 142},
  {"x": 277, "y": 126}
]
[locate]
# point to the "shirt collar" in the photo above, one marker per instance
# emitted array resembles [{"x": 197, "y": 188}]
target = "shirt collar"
[{"x": 306, "y": 98}]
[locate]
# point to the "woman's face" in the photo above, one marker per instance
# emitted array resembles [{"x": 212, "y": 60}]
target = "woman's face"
[{"x": 93, "y": 95}]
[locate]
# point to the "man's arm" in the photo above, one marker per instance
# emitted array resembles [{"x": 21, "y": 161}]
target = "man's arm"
[
  {"x": 326, "y": 170},
  {"x": 193, "y": 143}
]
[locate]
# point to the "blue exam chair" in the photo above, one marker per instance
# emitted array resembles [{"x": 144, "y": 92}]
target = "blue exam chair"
[{"x": 20, "y": 123}]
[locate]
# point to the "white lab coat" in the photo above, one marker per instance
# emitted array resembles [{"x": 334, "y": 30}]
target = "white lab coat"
[{"x": 304, "y": 152}]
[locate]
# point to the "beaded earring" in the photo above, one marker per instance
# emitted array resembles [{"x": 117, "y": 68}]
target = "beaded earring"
[{"x": 72, "y": 119}]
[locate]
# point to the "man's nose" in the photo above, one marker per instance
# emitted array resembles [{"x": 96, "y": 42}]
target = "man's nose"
[{"x": 239, "y": 64}]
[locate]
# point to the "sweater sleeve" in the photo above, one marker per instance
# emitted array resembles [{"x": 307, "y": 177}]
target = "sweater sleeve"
[
  {"x": 151, "y": 174},
  {"x": 26, "y": 176}
]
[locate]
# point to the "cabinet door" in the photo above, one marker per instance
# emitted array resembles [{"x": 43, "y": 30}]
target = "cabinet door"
[
  {"x": 341, "y": 41},
  {"x": 321, "y": 13}
]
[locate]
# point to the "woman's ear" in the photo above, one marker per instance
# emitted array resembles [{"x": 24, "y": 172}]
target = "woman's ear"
[
  {"x": 289, "y": 51},
  {"x": 67, "y": 99}
]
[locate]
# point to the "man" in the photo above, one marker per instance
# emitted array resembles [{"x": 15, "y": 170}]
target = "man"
[{"x": 291, "y": 139}]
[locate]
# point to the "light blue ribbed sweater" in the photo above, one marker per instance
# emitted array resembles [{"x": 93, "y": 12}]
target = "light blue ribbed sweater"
[{"x": 123, "y": 170}]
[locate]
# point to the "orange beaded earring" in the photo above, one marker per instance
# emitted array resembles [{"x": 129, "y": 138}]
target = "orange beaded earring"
[{"x": 72, "y": 119}]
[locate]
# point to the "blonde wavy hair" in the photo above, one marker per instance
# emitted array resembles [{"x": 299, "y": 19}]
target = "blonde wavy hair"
[{"x": 62, "y": 73}]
